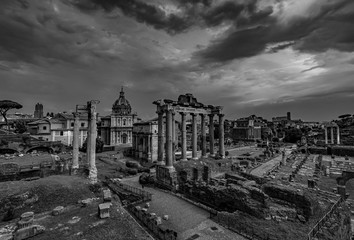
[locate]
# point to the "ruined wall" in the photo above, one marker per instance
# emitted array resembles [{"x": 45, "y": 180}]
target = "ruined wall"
[
  {"x": 228, "y": 198},
  {"x": 318, "y": 150},
  {"x": 343, "y": 151},
  {"x": 300, "y": 199},
  {"x": 154, "y": 224}
]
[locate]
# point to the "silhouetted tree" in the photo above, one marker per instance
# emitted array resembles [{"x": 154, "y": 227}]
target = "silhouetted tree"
[{"x": 6, "y": 105}]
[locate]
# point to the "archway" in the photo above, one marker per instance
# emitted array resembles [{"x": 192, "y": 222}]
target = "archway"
[
  {"x": 8, "y": 151},
  {"x": 41, "y": 149}
]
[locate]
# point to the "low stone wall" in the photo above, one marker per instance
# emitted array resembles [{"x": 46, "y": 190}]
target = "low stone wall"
[
  {"x": 343, "y": 151},
  {"x": 258, "y": 180},
  {"x": 153, "y": 223},
  {"x": 290, "y": 195},
  {"x": 318, "y": 150}
]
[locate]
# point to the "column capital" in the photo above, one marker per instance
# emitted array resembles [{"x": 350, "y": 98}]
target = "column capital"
[
  {"x": 202, "y": 114},
  {"x": 211, "y": 115},
  {"x": 221, "y": 114},
  {"x": 160, "y": 112},
  {"x": 183, "y": 113}
]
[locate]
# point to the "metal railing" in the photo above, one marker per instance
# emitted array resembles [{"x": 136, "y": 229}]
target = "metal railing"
[
  {"x": 121, "y": 188},
  {"x": 317, "y": 227}
]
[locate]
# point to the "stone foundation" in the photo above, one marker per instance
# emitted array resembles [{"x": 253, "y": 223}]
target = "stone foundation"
[{"x": 166, "y": 177}]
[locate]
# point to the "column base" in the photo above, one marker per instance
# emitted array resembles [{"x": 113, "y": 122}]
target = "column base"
[
  {"x": 93, "y": 175},
  {"x": 184, "y": 160},
  {"x": 74, "y": 170},
  {"x": 195, "y": 158},
  {"x": 212, "y": 155},
  {"x": 160, "y": 163}
]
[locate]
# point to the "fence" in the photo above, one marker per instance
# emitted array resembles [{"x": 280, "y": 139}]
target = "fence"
[
  {"x": 315, "y": 229},
  {"x": 119, "y": 187}
]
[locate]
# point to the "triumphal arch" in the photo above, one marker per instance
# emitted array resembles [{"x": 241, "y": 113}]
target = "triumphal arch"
[{"x": 185, "y": 105}]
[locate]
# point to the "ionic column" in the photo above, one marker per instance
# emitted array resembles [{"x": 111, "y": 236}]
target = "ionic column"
[
  {"x": 338, "y": 135},
  {"x": 203, "y": 135},
  {"x": 93, "y": 136},
  {"x": 184, "y": 137},
  {"x": 332, "y": 136},
  {"x": 160, "y": 146},
  {"x": 326, "y": 136},
  {"x": 221, "y": 136},
  {"x": 173, "y": 137},
  {"x": 194, "y": 136},
  {"x": 169, "y": 158},
  {"x": 76, "y": 133},
  {"x": 211, "y": 134}
]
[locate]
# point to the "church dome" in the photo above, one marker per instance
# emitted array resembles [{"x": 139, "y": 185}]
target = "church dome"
[{"x": 122, "y": 106}]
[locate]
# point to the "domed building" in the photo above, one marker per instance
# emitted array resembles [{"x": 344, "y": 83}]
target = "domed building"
[{"x": 117, "y": 128}]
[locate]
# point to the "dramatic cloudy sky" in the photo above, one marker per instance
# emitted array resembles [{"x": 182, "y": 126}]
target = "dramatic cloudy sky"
[{"x": 263, "y": 57}]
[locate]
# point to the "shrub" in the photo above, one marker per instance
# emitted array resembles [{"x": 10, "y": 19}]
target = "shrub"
[
  {"x": 95, "y": 188},
  {"x": 132, "y": 171},
  {"x": 131, "y": 164}
]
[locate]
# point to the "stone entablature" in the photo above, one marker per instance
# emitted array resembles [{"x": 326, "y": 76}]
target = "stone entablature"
[{"x": 186, "y": 104}]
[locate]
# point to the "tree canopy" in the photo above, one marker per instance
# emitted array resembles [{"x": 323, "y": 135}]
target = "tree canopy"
[
  {"x": 344, "y": 116},
  {"x": 6, "y": 105}
]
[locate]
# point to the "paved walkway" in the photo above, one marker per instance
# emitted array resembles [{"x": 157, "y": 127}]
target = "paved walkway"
[
  {"x": 185, "y": 218},
  {"x": 267, "y": 166}
]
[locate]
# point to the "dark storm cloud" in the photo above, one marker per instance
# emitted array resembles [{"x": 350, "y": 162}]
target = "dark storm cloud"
[
  {"x": 331, "y": 27},
  {"x": 40, "y": 35},
  {"x": 199, "y": 12},
  {"x": 142, "y": 12}
]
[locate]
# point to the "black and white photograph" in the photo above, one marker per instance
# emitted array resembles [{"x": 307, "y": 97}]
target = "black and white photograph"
[{"x": 177, "y": 119}]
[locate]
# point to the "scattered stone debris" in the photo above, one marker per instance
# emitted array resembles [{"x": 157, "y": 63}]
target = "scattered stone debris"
[
  {"x": 95, "y": 224},
  {"x": 107, "y": 195},
  {"x": 74, "y": 220},
  {"x": 87, "y": 201},
  {"x": 165, "y": 217},
  {"x": 58, "y": 210},
  {"x": 301, "y": 218},
  {"x": 103, "y": 210}
]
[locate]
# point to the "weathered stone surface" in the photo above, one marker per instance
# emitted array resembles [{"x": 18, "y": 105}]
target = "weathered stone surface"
[
  {"x": 58, "y": 210},
  {"x": 297, "y": 197}
]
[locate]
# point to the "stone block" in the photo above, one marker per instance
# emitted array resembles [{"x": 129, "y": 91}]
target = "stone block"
[
  {"x": 165, "y": 217},
  {"x": 58, "y": 210}
]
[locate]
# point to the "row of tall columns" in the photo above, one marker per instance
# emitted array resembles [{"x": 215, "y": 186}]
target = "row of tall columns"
[
  {"x": 169, "y": 148},
  {"x": 76, "y": 143},
  {"x": 211, "y": 134},
  {"x": 90, "y": 108},
  {"x": 194, "y": 136},
  {"x": 203, "y": 135},
  {"x": 332, "y": 135},
  {"x": 184, "y": 137},
  {"x": 170, "y": 134},
  {"x": 91, "y": 145},
  {"x": 160, "y": 139},
  {"x": 221, "y": 135}
]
